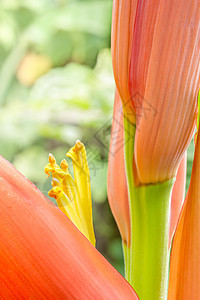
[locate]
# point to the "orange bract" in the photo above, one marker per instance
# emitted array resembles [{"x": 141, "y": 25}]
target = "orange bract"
[
  {"x": 117, "y": 185},
  {"x": 156, "y": 53},
  {"x": 42, "y": 254},
  {"x": 184, "y": 280},
  {"x": 178, "y": 195},
  {"x": 121, "y": 41}
]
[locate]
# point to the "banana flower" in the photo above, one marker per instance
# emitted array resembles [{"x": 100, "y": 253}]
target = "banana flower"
[
  {"x": 42, "y": 254},
  {"x": 156, "y": 63}
]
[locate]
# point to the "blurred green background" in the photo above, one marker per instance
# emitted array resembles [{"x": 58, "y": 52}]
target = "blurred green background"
[{"x": 56, "y": 85}]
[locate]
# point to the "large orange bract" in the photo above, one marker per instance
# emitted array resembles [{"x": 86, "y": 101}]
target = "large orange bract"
[
  {"x": 42, "y": 254},
  {"x": 156, "y": 62}
]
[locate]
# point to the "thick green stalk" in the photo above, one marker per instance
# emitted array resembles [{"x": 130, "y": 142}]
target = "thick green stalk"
[{"x": 150, "y": 215}]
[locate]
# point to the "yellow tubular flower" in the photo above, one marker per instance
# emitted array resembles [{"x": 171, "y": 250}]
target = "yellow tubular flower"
[
  {"x": 82, "y": 179},
  {"x": 73, "y": 196}
]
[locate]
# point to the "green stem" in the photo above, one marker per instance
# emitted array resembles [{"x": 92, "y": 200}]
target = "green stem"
[{"x": 150, "y": 215}]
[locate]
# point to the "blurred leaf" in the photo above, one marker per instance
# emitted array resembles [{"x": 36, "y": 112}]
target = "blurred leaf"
[
  {"x": 62, "y": 106},
  {"x": 8, "y": 30},
  {"x": 17, "y": 130},
  {"x": 69, "y": 84},
  {"x": 98, "y": 175},
  {"x": 26, "y": 160},
  {"x": 77, "y": 86},
  {"x": 115, "y": 251},
  {"x": 91, "y": 16}
]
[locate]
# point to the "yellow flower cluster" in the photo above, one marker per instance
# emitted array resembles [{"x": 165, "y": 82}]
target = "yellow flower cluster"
[{"x": 73, "y": 195}]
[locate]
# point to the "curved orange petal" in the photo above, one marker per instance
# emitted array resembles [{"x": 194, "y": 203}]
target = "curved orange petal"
[
  {"x": 167, "y": 78},
  {"x": 178, "y": 195},
  {"x": 116, "y": 181},
  {"x": 42, "y": 254},
  {"x": 156, "y": 62},
  {"x": 184, "y": 280}
]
